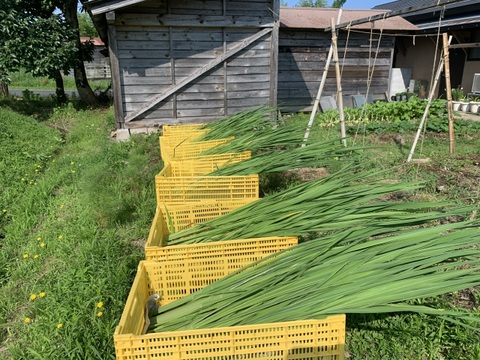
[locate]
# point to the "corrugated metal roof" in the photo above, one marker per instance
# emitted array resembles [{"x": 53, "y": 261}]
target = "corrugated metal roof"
[
  {"x": 464, "y": 21},
  {"x": 404, "y": 4},
  {"x": 320, "y": 18}
]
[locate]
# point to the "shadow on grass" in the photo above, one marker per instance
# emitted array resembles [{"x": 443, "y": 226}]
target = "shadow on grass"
[
  {"x": 42, "y": 107},
  {"x": 39, "y": 108}
]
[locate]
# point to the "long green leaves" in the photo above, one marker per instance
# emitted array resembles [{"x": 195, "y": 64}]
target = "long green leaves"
[
  {"x": 315, "y": 154},
  {"x": 333, "y": 203},
  {"x": 367, "y": 254},
  {"x": 339, "y": 273},
  {"x": 252, "y": 120}
]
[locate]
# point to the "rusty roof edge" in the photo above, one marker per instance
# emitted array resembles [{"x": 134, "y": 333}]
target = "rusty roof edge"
[{"x": 319, "y": 18}]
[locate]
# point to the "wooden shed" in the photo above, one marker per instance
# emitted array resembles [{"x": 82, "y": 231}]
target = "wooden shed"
[
  {"x": 188, "y": 61},
  {"x": 183, "y": 61},
  {"x": 303, "y": 49}
]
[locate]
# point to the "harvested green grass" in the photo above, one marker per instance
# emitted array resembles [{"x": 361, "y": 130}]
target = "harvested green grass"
[
  {"x": 353, "y": 270},
  {"x": 342, "y": 200}
]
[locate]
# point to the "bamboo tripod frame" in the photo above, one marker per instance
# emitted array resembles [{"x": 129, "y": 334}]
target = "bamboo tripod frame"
[{"x": 443, "y": 64}]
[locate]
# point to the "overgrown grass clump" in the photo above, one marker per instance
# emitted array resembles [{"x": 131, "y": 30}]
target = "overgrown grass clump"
[{"x": 73, "y": 232}]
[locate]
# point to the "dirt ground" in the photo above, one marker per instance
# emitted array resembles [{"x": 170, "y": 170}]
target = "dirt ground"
[{"x": 470, "y": 116}]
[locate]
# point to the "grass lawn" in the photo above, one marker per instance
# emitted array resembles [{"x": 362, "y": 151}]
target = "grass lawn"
[
  {"x": 25, "y": 81},
  {"x": 76, "y": 208}
]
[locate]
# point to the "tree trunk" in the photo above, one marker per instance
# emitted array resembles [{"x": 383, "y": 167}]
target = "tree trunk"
[
  {"x": 80, "y": 75},
  {"x": 83, "y": 87},
  {"x": 59, "y": 88},
  {"x": 3, "y": 89},
  {"x": 3, "y": 85}
]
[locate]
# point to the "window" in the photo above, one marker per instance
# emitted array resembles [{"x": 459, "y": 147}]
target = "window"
[{"x": 474, "y": 53}]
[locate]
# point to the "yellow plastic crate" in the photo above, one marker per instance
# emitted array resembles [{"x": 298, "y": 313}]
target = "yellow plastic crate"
[
  {"x": 171, "y": 148},
  {"x": 173, "y": 130},
  {"x": 187, "y": 189},
  {"x": 205, "y": 164},
  {"x": 307, "y": 339},
  {"x": 194, "y": 266},
  {"x": 183, "y": 137},
  {"x": 183, "y": 216}
]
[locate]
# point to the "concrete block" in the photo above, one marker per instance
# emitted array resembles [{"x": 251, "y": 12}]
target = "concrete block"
[
  {"x": 136, "y": 131},
  {"x": 123, "y": 135}
]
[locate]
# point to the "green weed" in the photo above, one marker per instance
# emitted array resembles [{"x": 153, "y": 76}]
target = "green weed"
[{"x": 73, "y": 238}]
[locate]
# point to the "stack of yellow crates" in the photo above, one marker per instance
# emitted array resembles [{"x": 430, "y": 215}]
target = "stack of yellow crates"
[{"x": 186, "y": 196}]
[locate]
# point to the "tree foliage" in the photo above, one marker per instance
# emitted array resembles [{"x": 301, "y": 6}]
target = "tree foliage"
[
  {"x": 321, "y": 3},
  {"x": 338, "y": 3},
  {"x": 40, "y": 45},
  {"x": 37, "y": 35},
  {"x": 312, "y": 3},
  {"x": 86, "y": 26}
]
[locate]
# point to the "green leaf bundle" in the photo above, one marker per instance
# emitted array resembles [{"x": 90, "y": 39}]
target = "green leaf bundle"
[
  {"x": 342, "y": 200},
  {"x": 338, "y": 273},
  {"x": 254, "y": 119},
  {"x": 315, "y": 154}
]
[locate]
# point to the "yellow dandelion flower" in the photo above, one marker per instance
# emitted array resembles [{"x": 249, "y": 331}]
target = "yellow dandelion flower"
[
  {"x": 33, "y": 297},
  {"x": 61, "y": 206},
  {"x": 4, "y": 210},
  {"x": 100, "y": 304},
  {"x": 23, "y": 179},
  {"x": 25, "y": 256},
  {"x": 59, "y": 326},
  {"x": 36, "y": 256},
  {"x": 100, "y": 313},
  {"x": 39, "y": 238},
  {"x": 42, "y": 245},
  {"x": 72, "y": 163},
  {"x": 27, "y": 320},
  {"x": 36, "y": 170},
  {"x": 73, "y": 171},
  {"x": 42, "y": 294},
  {"x": 60, "y": 236}
]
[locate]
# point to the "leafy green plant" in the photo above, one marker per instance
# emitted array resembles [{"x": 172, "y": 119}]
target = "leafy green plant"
[{"x": 458, "y": 94}]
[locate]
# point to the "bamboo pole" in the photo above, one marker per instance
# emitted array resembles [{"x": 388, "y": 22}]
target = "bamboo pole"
[
  {"x": 427, "y": 108},
  {"x": 339, "y": 85},
  {"x": 320, "y": 88},
  {"x": 446, "y": 58}
]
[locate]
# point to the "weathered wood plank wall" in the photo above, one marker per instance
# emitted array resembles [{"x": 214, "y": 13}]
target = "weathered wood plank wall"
[
  {"x": 302, "y": 57},
  {"x": 161, "y": 43}
]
